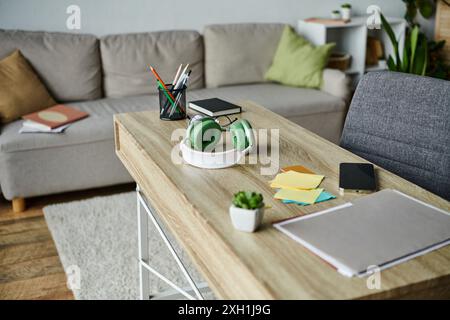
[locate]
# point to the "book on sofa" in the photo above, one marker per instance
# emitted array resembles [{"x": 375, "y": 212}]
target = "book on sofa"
[
  {"x": 33, "y": 127},
  {"x": 52, "y": 119}
]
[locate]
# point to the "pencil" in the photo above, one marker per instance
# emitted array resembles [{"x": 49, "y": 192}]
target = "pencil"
[{"x": 162, "y": 82}]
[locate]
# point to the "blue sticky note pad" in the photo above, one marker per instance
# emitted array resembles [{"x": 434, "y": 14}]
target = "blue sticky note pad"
[{"x": 324, "y": 196}]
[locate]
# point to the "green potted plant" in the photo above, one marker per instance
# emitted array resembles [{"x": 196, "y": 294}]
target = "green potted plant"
[
  {"x": 346, "y": 11},
  {"x": 428, "y": 58},
  {"x": 247, "y": 210},
  {"x": 335, "y": 14}
]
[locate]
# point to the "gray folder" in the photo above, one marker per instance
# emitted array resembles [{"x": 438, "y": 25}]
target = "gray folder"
[{"x": 378, "y": 230}]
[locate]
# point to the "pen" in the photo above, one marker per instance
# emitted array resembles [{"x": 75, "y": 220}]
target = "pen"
[
  {"x": 183, "y": 74},
  {"x": 177, "y": 101},
  {"x": 174, "y": 82},
  {"x": 179, "y": 86},
  {"x": 176, "y": 75}
]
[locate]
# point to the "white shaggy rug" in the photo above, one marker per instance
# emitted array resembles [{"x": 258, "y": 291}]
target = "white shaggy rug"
[{"x": 99, "y": 236}]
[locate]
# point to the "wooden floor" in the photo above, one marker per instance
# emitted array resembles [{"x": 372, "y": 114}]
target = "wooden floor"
[{"x": 29, "y": 264}]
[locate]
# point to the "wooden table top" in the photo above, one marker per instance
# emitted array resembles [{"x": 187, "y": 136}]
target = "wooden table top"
[{"x": 193, "y": 203}]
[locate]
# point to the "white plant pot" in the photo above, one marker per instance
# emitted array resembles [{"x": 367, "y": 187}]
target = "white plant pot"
[
  {"x": 336, "y": 15},
  {"x": 346, "y": 14},
  {"x": 246, "y": 220}
]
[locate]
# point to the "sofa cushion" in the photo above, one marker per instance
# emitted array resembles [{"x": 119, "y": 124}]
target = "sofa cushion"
[
  {"x": 239, "y": 53},
  {"x": 126, "y": 59},
  {"x": 297, "y": 62},
  {"x": 286, "y": 101},
  {"x": 22, "y": 91},
  {"x": 68, "y": 64}
]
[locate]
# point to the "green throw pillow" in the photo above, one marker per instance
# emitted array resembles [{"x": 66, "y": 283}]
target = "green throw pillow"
[{"x": 297, "y": 62}]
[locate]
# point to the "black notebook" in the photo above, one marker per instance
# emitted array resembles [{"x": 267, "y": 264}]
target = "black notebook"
[
  {"x": 214, "y": 107},
  {"x": 356, "y": 177}
]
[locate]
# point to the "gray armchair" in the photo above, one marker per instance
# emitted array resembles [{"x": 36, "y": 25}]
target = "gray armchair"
[{"x": 401, "y": 122}]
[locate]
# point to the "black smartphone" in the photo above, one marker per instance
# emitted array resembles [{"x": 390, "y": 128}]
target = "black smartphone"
[{"x": 356, "y": 177}]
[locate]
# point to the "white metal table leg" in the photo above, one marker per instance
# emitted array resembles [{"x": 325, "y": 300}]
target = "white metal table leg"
[
  {"x": 142, "y": 219},
  {"x": 144, "y": 266},
  {"x": 172, "y": 294}
]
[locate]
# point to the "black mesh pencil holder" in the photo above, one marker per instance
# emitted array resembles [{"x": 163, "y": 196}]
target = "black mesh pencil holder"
[{"x": 172, "y": 103}]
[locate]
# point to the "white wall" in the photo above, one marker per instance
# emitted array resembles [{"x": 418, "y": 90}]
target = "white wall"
[{"x": 120, "y": 16}]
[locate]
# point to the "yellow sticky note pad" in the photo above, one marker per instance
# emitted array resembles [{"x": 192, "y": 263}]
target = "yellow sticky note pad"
[
  {"x": 295, "y": 180},
  {"x": 305, "y": 196}
]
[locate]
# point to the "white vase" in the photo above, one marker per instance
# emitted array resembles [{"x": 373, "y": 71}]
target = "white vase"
[
  {"x": 246, "y": 220},
  {"x": 335, "y": 15},
  {"x": 346, "y": 14}
]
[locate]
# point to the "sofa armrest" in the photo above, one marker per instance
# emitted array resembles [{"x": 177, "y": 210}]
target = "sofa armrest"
[{"x": 336, "y": 83}]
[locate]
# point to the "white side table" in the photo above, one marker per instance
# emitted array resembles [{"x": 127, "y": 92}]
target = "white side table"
[{"x": 351, "y": 38}]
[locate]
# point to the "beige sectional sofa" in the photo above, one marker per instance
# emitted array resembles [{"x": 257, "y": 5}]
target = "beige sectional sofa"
[{"x": 110, "y": 75}]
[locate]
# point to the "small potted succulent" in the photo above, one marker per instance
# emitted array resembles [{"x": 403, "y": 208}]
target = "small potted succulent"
[
  {"x": 335, "y": 14},
  {"x": 247, "y": 211},
  {"x": 346, "y": 11}
]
